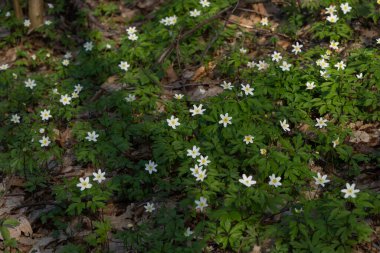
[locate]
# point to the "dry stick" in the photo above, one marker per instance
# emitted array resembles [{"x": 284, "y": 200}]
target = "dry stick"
[
  {"x": 260, "y": 30},
  {"x": 219, "y": 31},
  {"x": 253, "y": 11},
  {"x": 180, "y": 37},
  {"x": 45, "y": 203}
]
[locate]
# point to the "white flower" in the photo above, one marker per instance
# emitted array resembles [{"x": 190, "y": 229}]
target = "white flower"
[
  {"x": 30, "y": 83},
  {"x": 133, "y": 37},
  {"x": 346, "y": 8},
  {"x": 247, "y": 89},
  {"x": 169, "y": 21},
  {"x": 68, "y": 55},
  {"x": 74, "y": 94},
  {"x": 45, "y": 141},
  {"x": 225, "y": 120},
  {"x": 276, "y": 56},
  {"x": 264, "y": 21},
  {"x": 247, "y": 181},
  {"x": 340, "y": 65},
  {"x": 188, "y": 232},
  {"x": 248, "y": 139},
  {"x": 350, "y": 191},
  {"x": 323, "y": 63},
  {"x": 45, "y": 114},
  {"x": 99, "y": 177},
  {"x": 263, "y": 151},
  {"x": 108, "y": 46},
  {"x": 130, "y": 98},
  {"x": 378, "y": 41},
  {"x": 178, "y": 96},
  {"x": 173, "y": 122},
  {"x": 65, "y": 99},
  {"x": 243, "y": 50},
  {"x": 195, "y": 13},
  {"x": 55, "y": 91},
  {"x": 34, "y": 57},
  {"x": 321, "y": 180},
  {"x": 51, "y": 6},
  {"x": 42, "y": 130},
  {"x": 78, "y": 88},
  {"x": 124, "y": 65},
  {"x": 195, "y": 171},
  {"x": 334, "y": 45},
  {"x": 7, "y": 14},
  {"x": 149, "y": 207},
  {"x": 285, "y": 66},
  {"x": 275, "y": 181},
  {"x": 197, "y": 110},
  {"x": 84, "y": 183},
  {"x": 251, "y": 64},
  {"x": 226, "y": 86},
  {"x": 27, "y": 23},
  {"x": 47, "y": 22},
  {"x": 4, "y": 67},
  {"x": 92, "y": 136},
  {"x": 262, "y": 65},
  {"x": 359, "y": 76},
  {"x": 201, "y": 203},
  {"x": 321, "y": 122},
  {"x": 203, "y": 160},
  {"x": 335, "y": 142},
  {"x": 201, "y": 175},
  {"x": 193, "y": 152},
  {"x": 88, "y": 46},
  {"x": 204, "y": 3},
  {"x": 151, "y": 167},
  {"x": 324, "y": 74},
  {"x": 310, "y": 85},
  {"x": 332, "y": 18},
  {"x": 297, "y": 48},
  {"x": 284, "y": 125},
  {"x": 131, "y": 30},
  {"x": 65, "y": 62},
  {"x": 325, "y": 56},
  {"x": 15, "y": 119},
  {"x": 331, "y": 9}
]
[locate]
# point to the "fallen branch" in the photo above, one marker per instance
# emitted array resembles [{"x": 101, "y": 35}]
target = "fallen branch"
[
  {"x": 212, "y": 41},
  {"x": 260, "y": 30},
  {"x": 183, "y": 36}
]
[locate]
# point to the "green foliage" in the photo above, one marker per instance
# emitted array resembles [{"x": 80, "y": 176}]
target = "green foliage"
[
  {"x": 8, "y": 241},
  {"x": 129, "y": 114}
]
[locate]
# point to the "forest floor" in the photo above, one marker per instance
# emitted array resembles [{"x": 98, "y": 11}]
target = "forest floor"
[{"x": 27, "y": 207}]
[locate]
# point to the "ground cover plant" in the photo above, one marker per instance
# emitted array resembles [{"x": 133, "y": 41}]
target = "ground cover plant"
[{"x": 190, "y": 126}]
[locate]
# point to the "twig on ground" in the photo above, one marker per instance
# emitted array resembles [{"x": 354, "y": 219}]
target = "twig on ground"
[
  {"x": 45, "y": 203},
  {"x": 180, "y": 37},
  {"x": 262, "y": 31},
  {"x": 212, "y": 41}
]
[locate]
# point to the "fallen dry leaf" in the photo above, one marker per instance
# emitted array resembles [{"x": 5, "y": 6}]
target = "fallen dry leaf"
[
  {"x": 122, "y": 221},
  {"x": 171, "y": 75},
  {"x": 201, "y": 92},
  {"x": 360, "y": 136},
  {"x": 203, "y": 70},
  {"x": 23, "y": 227},
  {"x": 112, "y": 84}
]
